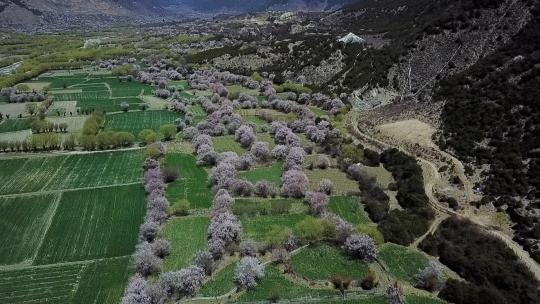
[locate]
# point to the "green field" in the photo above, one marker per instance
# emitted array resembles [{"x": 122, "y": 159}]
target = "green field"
[
  {"x": 21, "y": 175},
  {"x": 342, "y": 184},
  {"x": 275, "y": 284},
  {"x": 350, "y": 209},
  {"x": 24, "y": 221},
  {"x": 136, "y": 121},
  {"x": 220, "y": 283},
  {"x": 187, "y": 236},
  {"x": 49, "y": 284},
  {"x": 271, "y": 173},
  {"x": 192, "y": 182},
  {"x": 103, "y": 92},
  {"x": 322, "y": 262},
  {"x": 103, "y": 281},
  {"x": 95, "y": 223},
  {"x": 258, "y": 227},
  {"x": 403, "y": 263},
  {"x": 12, "y": 125},
  {"x": 227, "y": 143}
]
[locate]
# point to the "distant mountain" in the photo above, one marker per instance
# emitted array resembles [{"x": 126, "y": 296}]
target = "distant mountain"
[{"x": 31, "y": 12}]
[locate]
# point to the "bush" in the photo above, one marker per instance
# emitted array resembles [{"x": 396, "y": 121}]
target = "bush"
[
  {"x": 180, "y": 208},
  {"x": 168, "y": 131},
  {"x": 169, "y": 174}
]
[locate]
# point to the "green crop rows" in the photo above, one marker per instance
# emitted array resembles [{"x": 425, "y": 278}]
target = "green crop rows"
[
  {"x": 24, "y": 222},
  {"x": 101, "y": 223},
  {"x": 68, "y": 172}
]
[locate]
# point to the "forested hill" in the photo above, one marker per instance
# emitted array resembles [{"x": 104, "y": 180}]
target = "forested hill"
[{"x": 491, "y": 118}]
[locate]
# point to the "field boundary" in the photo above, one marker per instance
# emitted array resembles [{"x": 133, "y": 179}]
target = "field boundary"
[
  {"x": 48, "y": 224},
  {"x": 66, "y": 190}
]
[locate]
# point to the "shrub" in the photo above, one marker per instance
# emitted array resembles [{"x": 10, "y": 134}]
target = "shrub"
[
  {"x": 248, "y": 272},
  {"x": 430, "y": 278},
  {"x": 180, "y": 208},
  {"x": 170, "y": 174},
  {"x": 361, "y": 246},
  {"x": 323, "y": 162},
  {"x": 295, "y": 183},
  {"x": 326, "y": 186},
  {"x": 249, "y": 248},
  {"x": 146, "y": 262},
  {"x": 168, "y": 131},
  {"x": 265, "y": 189}
]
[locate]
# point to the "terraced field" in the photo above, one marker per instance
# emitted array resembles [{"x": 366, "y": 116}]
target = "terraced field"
[
  {"x": 24, "y": 221},
  {"x": 350, "y": 209},
  {"x": 259, "y": 227},
  {"x": 322, "y": 262},
  {"x": 187, "y": 236},
  {"x": 137, "y": 121},
  {"x": 192, "y": 182},
  {"x": 271, "y": 173},
  {"x": 31, "y": 174}
]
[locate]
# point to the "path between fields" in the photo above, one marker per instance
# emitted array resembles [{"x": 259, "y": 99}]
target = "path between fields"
[
  {"x": 431, "y": 174},
  {"x": 63, "y": 153},
  {"x": 66, "y": 190}
]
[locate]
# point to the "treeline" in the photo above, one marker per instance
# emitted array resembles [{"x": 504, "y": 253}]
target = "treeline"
[
  {"x": 493, "y": 272},
  {"x": 404, "y": 226},
  {"x": 398, "y": 226}
]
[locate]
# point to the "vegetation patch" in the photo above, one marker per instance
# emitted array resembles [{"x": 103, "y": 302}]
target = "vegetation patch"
[
  {"x": 94, "y": 223},
  {"x": 187, "y": 236},
  {"x": 24, "y": 223},
  {"x": 322, "y": 262}
]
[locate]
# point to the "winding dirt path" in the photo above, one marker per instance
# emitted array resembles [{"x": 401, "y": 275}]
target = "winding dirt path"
[{"x": 431, "y": 174}]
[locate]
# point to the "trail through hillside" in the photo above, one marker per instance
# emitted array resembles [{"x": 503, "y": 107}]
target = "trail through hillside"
[{"x": 431, "y": 176}]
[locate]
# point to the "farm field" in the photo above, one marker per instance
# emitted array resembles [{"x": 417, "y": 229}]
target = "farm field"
[
  {"x": 275, "y": 284},
  {"x": 342, "y": 184},
  {"x": 259, "y": 227},
  {"x": 50, "y": 284},
  {"x": 187, "y": 236},
  {"x": 103, "y": 281},
  {"x": 227, "y": 143},
  {"x": 220, "y": 283},
  {"x": 271, "y": 173},
  {"x": 350, "y": 209},
  {"x": 31, "y": 174},
  {"x": 138, "y": 120},
  {"x": 191, "y": 184},
  {"x": 11, "y": 125},
  {"x": 24, "y": 223},
  {"x": 403, "y": 263},
  {"x": 322, "y": 262},
  {"x": 102, "y": 223}
]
